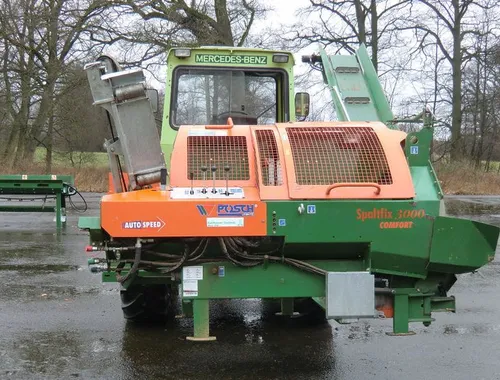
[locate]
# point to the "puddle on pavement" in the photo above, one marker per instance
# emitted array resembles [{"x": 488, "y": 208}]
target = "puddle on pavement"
[
  {"x": 458, "y": 206},
  {"x": 45, "y": 268},
  {"x": 252, "y": 341}
]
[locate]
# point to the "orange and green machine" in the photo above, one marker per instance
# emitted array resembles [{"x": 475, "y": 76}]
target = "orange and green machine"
[{"x": 243, "y": 197}]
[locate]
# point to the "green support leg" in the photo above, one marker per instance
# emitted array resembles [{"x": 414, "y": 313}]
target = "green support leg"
[
  {"x": 400, "y": 320},
  {"x": 287, "y": 307},
  {"x": 63, "y": 208},
  {"x": 201, "y": 322},
  {"x": 186, "y": 309},
  {"x": 58, "y": 210}
]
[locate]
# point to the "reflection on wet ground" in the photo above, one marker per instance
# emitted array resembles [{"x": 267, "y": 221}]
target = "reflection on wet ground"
[{"x": 59, "y": 321}]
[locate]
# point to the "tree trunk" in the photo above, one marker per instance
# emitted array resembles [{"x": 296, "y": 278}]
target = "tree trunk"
[
  {"x": 374, "y": 22},
  {"x": 48, "y": 145},
  {"x": 456, "y": 110}
]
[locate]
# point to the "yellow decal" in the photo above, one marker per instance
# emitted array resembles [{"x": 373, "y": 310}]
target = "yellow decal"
[{"x": 386, "y": 225}]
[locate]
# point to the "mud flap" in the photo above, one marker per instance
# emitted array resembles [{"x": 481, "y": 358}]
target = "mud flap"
[{"x": 461, "y": 246}]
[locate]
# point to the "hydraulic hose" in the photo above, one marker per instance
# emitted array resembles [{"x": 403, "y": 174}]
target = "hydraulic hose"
[{"x": 135, "y": 266}]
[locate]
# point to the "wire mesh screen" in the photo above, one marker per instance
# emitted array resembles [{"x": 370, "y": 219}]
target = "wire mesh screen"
[
  {"x": 221, "y": 152},
  {"x": 270, "y": 164},
  {"x": 328, "y": 155}
]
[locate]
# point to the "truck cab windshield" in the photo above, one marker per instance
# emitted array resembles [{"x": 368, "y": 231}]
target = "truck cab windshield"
[{"x": 210, "y": 96}]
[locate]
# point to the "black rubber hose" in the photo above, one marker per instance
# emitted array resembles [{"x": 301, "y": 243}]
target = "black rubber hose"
[
  {"x": 191, "y": 258},
  {"x": 181, "y": 261},
  {"x": 73, "y": 190},
  {"x": 233, "y": 245},
  {"x": 135, "y": 266},
  {"x": 222, "y": 243}
]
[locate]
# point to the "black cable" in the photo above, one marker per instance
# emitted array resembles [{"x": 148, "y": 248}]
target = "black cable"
[
  {"x": 231, "y": 244},
  {"x": 165, "y": 255},
  {"x": 133, "y": 270},
  {"x": 192, "y": 256},
  {"x": 181, "y": 262},
  {"x": 222, "y": 242},
  {"x": 73, "y": 191}
]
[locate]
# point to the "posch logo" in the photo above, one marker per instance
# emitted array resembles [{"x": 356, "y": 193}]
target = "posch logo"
[
  {"x": 226, "y": 210},
  {"x": 235, "y": 210}
]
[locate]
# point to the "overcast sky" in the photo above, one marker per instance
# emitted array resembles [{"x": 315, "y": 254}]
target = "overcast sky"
[{"x": 284, "y": 9}]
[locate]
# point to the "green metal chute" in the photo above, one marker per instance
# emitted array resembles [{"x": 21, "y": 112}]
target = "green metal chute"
[
  {"x": 356, "y": 91},
  {"x": 461, "y": 246}
]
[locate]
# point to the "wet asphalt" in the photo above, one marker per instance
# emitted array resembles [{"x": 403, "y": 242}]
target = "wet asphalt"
[{"x": 58, "y": 321}]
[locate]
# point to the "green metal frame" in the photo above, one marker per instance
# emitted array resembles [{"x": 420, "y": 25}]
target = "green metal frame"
[
  {"x": 37, "y": 185},
  {"x": 280, "y": 281}
]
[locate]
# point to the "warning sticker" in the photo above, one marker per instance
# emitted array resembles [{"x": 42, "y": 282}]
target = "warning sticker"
[
  {"x": 190, "y": 288},
  {"x": 192, "y": 273},
  {"x": 190, "y": 277}
]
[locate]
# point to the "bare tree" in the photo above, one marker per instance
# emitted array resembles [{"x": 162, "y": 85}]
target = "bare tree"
[
  {"x": 41, "y": 37},
  {"x": 343, "y": 25},
  {"x": 155, "y": 26},
  {"x": 457, "y": 20}
]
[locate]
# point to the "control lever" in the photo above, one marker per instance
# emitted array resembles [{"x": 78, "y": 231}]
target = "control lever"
[
  {"x": 191, "y": 177},
  {"x": 163, "y": 179},
  {"x": 204, "y": 171},
  {"x": 214, "y": 170},
  {"x": 226, "y": 170}
]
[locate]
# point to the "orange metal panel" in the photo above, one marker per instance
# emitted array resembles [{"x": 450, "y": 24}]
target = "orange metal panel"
[
  {"x": 214, "y": 152},
  {"x": 399, "y": 186},
  {"x": 152, "y": 213},
  {"x": 279, "y": 191}
]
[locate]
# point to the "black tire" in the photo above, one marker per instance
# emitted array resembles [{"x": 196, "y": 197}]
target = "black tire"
[{"x": 151, "y": 303}]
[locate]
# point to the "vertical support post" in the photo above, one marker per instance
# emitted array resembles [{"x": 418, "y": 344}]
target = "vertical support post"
[
  {"x": 58, "y": 209},
  {"x": 201, "y": 318},
  {"x": 287, "y": 307},
  {"x": 187, "y": 309},
  {"x": 400, "y": 320},
  {"x": 63, "y": 206}
]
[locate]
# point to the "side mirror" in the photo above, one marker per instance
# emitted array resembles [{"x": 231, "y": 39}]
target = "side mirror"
[
  {"x": 301, "y": 105},
  {"x": 152, "y": 95}
]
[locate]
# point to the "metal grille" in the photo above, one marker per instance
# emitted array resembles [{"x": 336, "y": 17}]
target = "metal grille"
[
  {"x": 328, "y": 155},
  {"x": 221, "y": 152},
  {"x": 270, "y": 164}
]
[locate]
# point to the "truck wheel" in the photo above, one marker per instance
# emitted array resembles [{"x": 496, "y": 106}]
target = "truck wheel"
[{"x": 151, "y": 303}]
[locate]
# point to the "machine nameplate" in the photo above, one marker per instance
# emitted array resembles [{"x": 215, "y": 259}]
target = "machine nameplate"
[
  {"x": 233, "y": 59},
  {"x": 225, "y": 222}
]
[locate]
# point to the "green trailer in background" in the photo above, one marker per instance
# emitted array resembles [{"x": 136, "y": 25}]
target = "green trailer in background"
[{"x": 15, "y": 192}]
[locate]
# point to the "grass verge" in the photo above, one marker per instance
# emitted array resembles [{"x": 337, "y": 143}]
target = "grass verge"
[
  {"x": 458, "y": 178},
  {"x": 463, "y": 179},
  {"x": 86, "y": 178}
]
